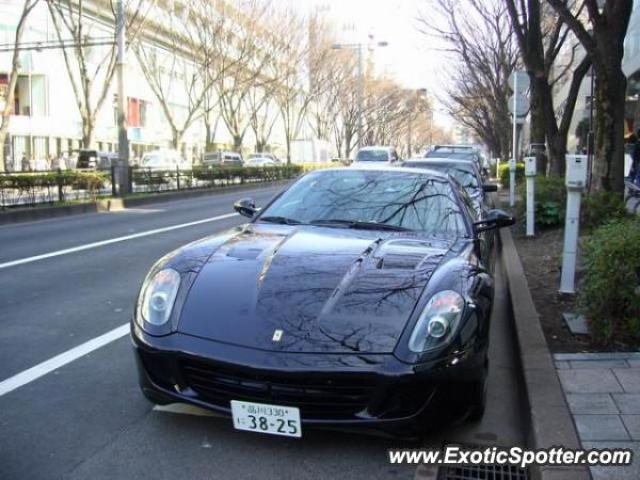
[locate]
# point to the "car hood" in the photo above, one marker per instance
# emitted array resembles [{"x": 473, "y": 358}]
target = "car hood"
[{"x": 311, "y": 289}]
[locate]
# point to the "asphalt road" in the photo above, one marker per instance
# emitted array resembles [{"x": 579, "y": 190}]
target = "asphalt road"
[{"x": 87, "y": 419}]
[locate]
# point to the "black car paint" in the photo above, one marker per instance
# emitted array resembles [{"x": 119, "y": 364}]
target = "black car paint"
[{"x": 328, "y": 289}]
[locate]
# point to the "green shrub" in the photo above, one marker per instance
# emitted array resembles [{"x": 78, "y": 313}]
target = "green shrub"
[
  {"x": 550, "y": 198},
  {"x": 610, "y": 293},
  {"x": 504, "y": 173},
  {"x": 599, "y": 208}
]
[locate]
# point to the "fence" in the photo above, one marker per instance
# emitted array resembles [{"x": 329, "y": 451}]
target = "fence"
[{"x": 50, "y": 187}]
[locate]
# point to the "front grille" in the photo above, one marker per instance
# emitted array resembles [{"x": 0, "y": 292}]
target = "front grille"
[
  {"x": 317, "y": 397},
  {"x": 482, "y": 472}
]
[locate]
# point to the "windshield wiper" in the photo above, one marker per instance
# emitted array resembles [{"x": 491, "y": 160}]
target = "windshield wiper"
[
  {"x": 358, "y": 224},
  {"x": 280, "y": 220}
]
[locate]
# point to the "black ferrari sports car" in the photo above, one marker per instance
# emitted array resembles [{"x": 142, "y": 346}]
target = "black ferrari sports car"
[{"x": 357, "y": 298}]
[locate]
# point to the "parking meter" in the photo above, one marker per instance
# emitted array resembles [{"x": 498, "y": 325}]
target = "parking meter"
[
  {"x": 575, "y": 180},
  {"x": 530, "y": 174}
]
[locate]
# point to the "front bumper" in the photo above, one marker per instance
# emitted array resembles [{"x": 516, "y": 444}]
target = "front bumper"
[{"x": 332, "y": 390}]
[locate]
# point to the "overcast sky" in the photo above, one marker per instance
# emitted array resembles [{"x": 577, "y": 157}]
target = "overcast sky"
[{"x": 411, "y": 58}]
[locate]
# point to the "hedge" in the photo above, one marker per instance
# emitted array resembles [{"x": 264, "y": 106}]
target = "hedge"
[
  {"x": 609, "y": 296},
  {"x": 503, "y": 173},
  {"x": 551, "y": 200},
  {"x": 77, "y": 180}
]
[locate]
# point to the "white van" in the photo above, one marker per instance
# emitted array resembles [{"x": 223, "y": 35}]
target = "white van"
[
  {"x": 164, "y": 159},
  {"x": 229, "y": 159},
  {"x": 376, "y": 154}
]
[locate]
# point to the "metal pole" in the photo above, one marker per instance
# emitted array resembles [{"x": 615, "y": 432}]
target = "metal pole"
[
  {"x": 512, "y": 166},
  {"x": 571, "y": 228},
  {"x": 31, "y": 157},
  {"x": 530, "y": 205},
  {"x": 590, "y": 135},
  {"x": 123, "y": 140},
  {"x": 360, "y": 96}
]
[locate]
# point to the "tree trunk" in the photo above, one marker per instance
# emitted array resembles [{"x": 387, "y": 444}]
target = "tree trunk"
[
  {"x": 537, "y": 127},
  {"x": 237, "y": 143},
  {"x": 608, "y": 165},
  {"x": 88, "y": 128},
  {"x": 288, "y": 143},
  {"x": 176, "y": 139}
]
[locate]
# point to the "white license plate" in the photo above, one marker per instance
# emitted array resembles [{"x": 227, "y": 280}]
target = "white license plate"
[{"x": 263, "y": 418}]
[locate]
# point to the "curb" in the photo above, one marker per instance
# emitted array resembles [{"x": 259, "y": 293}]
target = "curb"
[
  {"x": 116, "y": 203},
  {"x": 550, "y": 422}
]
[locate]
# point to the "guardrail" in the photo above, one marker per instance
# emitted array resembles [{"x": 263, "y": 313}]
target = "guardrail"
[{"x": 27, "y": 189}]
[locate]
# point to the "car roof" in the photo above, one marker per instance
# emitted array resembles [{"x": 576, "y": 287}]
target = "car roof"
[
  {"x": 443, "y": 161},
  {"x": 384, "y": 167},
  {"x": 376, "y": 147}
]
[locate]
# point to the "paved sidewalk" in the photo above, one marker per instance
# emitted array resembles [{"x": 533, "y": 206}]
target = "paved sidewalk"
[{"x": 603, "y": 394}]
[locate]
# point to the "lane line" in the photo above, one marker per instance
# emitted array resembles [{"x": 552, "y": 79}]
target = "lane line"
[
  {"x": 102, "y": 243},
  {"x": 33, "y": 373}
]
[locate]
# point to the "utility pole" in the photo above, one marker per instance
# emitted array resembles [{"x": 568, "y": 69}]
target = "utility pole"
[{"x": 123, "y": 140}]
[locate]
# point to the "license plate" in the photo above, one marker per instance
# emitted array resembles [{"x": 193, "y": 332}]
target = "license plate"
[{"x": 263, "y": 418}]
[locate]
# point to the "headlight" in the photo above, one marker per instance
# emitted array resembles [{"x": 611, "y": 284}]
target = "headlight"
[
  {"x": 438, "y": 321},
  {"x": 157, "y": 297}
]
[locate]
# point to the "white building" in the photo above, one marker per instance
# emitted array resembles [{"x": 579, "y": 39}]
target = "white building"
[{"x": 46, "y": 120}]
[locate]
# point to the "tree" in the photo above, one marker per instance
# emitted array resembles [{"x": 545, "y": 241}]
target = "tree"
[
  {"x": 541, "y": 37},
  {"x": 484, "y": 53},
  {"x": 90, "y": 70},
  {"x": 603, "y": 41},
  {"x": 13, "y": 77}
]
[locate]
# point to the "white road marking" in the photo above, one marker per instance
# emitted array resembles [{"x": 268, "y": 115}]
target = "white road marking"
[
  {"x": 136, "y": 210},
  {"x": 48, "y": 366},
  {"x": 102, "y": 243}
]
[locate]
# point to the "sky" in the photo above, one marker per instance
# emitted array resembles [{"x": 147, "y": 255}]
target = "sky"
[{"x": 412, "y": 58}]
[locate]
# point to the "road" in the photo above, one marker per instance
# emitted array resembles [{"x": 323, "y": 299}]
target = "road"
[{"x": 65, "y": 282}]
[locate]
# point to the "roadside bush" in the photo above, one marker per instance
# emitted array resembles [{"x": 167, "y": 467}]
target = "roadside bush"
[
  {"x": 599, "y": 208},
  {"x": 551, "y": 201},
  {"x": 610, "y": 292},
  {"x": 91, "y": 181},
  {"x": 503, "y": 173}
]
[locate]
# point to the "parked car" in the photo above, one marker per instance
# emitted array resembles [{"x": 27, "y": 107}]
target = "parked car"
[
  {"x": 259, "y": 162},
  {"x": 459, "y": 152},
  {"x": 268, "y": 155},
  {"x": 357, "y": 297},
  {"x": 464, "y": 171},
  {"x": 164, "y": 159},
  {"x": 376, "y": 154},
  {"x": 95, "y": 160},
  {"x": 223, "y": 158}
]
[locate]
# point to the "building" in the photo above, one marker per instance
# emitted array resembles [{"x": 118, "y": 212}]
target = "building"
[
  {"x": 46, "y": 122},
  {"x": 631, "y": 68}
]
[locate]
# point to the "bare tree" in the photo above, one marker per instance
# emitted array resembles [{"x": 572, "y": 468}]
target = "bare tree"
[
  {"x": 13, "y": 77},
  {"x": 541, "y": 36},
  {"x": 90, "y": 69},
  {"x": 602, "y": 33},
  {"x": 484, "y": 53}
]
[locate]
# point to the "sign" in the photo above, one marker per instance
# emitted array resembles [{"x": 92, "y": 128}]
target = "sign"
[
  {"x": 522, "y": 105},
  {"x": 523, "y": 81}
]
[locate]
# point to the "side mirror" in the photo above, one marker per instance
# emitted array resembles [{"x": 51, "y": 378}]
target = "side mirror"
[
  {"x": 490, "y": 187},
  {"x": 245, "y": 207},
  {"x": 495, "y": 219}
]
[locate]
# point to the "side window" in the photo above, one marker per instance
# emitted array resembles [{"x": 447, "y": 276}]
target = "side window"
[{"x": 468, "y": 205}]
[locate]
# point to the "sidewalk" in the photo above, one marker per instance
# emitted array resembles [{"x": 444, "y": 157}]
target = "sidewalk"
[{"x": 603, "y": 394}]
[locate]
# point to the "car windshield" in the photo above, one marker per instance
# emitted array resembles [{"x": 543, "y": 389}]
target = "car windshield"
[
  {"x": 391, "y": 199},
  {"x": 465, "y": 175},
  {"x": 372, "y": 156}
]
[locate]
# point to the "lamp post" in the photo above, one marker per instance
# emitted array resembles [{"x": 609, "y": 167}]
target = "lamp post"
[{"x": 359, "y": 47}]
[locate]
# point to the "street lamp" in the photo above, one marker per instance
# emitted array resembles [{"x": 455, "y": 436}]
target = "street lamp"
[{"x": 359, "y": 47}]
